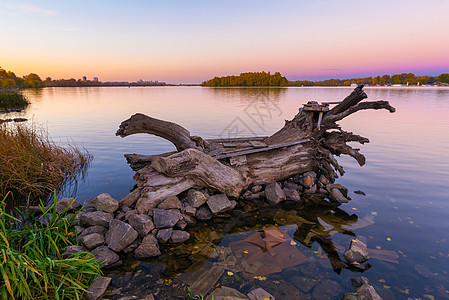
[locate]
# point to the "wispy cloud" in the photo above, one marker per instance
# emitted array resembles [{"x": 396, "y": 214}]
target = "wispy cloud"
[{"x": 31, "y": 8}]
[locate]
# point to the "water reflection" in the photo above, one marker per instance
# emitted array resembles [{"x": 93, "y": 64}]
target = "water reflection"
[{"x": 247, "y": 94}]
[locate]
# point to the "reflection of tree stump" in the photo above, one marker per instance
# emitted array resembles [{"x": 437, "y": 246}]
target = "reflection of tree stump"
[{"x": 308, "y": 142}]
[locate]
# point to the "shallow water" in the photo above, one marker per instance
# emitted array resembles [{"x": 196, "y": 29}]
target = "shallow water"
[{"x": 405, "y": 177}]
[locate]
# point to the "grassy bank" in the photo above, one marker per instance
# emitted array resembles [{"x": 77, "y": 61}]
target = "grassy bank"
[
  {"x": 32, "y": 165},
  {"x": 12, "y": 100},
  {"x": 32, "y": 265}
]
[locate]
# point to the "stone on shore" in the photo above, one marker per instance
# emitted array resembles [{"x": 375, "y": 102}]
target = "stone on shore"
[
  {"x": 108, "y": 256},
  {"x": 163, "y": 235},
  {"x": 104, "y": 202},
  {"x": 67, "y": 203},
  {"x": 96, "y": 218},
  {"x": 203, "y": 213},
  {"x": 164, "y": 218},
  {"x": 129, "y": 199},
  {"x": 97, "y": 288},
  {"x": 179, "y": 236},
  {"x": 274, "y": 193},
  {"x": 143, "y": 224},
  {"x": 292, "y": 195},
  {"x": 148, "y": 248},
  {"x": 219, "y": 203},
  {"x": 170, "y": 203},
  {"x": 93, "y": 229},
  {"x": 195, "y": 198},
  {"x": 92, "y": 240},
  {"x": 120, "y": 235}
]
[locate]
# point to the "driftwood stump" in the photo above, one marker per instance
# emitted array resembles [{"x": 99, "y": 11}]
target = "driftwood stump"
[{"x": 309, "y": 142}]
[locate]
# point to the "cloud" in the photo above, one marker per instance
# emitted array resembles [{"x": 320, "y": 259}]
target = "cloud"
[{"x": 33, "y": 9}]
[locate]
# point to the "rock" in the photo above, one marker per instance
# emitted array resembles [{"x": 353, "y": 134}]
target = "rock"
[
  {"x": 357, "y": 253},
  {"x": 129, "y": 213},
  {"x": 188, "y": 209},
  {"x": 92, "y": 240},
  {"x": 97, "y": 288},
  {"x": 195, "y": 198},
  {"x": 259, "y": 294},
  {"x": 363, "y": 290},
  {"x": 79, "y": 230},
  {"x": 179, "y": 236},
  {"x": 189, "y": 220},
  {"x": 88, "y": 202},
  {"x": 305, "y": 284},
  {"x": 274, "y": 193},
  {"x": 74, "y": 249},
  {"x": 104, "y": 202},
  {"x": 96, "y": 218},
  {"x": 292, "y": 195},
  {"x": 119, "y": 215},
  {"x": 256, "y": 189},
  {"x": 148, "y": 248},
  {"x": 219, "y": 203},
  {"x": 170, "y": 203},
  {"x": 93, "y": 229},
  {"x": 143, "y": 224},
  {"x": 250, "y": 196},
  {"x": 181, "y": 224},
  {"x": 290, "y": 186},
  {"x": 311, "y": 190},
  {"x": 163, "y": 235},
  {"x": 165, "y": 218},
  {"x": 104, "y": 253},
  {"x": 337, "y": 196},
  {"x": 203, "y": 213},
  {"x": 327, "y": 289},
  {"x": 227, "y": 293},
  {"x": 323, "y": 180},
  {"x": 359, "y": 281},
  {"x": 120, "y": 235},
  {"x": 67, "y": 203},
  {"x": 130, "y": 248},
  {"x": 129, "y": 199}
]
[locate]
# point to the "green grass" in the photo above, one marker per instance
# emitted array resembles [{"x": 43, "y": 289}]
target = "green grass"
[
  {"x": 31, "y": 262},
  {"x": 32, "y": 165},
  {"x": 13, "y": 100}
]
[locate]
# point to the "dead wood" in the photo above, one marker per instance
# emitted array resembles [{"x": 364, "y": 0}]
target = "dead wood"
[{"x": 310, "y": 141}]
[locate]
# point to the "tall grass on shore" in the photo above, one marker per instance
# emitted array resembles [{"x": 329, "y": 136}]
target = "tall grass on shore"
[
  {"x": 32, "y": 264},
  {"x": 13, "y": 100},
  {"x": 32, "y": 165}
]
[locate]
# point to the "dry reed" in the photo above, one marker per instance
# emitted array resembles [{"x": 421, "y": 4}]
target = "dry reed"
[{"x": 32, "y": 165}]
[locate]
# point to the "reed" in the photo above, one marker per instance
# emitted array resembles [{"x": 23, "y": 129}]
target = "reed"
[
  {"x": 13, "y": 100},
  {"x": 32, "y": 265},
  {"x": 32, "y": 165}
]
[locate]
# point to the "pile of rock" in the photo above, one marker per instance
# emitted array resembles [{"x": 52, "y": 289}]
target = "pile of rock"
[{"x": 108, "y": 228}]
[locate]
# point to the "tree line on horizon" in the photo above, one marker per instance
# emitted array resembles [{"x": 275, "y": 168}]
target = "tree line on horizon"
[
  {"x": 9, "y": 80},
  {"x": 266, "y": 79},
  {"x": 249, "y": 79}
]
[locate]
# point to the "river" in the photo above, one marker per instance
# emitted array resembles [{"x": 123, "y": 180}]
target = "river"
[{"x": 405, "y": 178}]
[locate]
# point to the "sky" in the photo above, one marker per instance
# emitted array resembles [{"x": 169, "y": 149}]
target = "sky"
[{"x": 179, "y": 41}]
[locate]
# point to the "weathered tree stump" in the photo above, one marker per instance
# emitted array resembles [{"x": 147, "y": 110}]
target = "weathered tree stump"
[{"x": 309, "y": 142}]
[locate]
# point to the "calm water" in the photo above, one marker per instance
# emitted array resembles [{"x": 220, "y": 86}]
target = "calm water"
[{"x": 406, "y": 176}]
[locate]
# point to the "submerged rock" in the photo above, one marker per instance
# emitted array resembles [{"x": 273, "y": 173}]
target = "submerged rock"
[
  {"x": 260, "y": 293},
  {"x": 97, "y": 288},
  {"x": 179, "y": 236}
]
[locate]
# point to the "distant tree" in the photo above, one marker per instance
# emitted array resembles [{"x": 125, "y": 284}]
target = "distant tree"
[
  {"x": 33, "y": 80},
  {"x": 375, "y": 80},
  {"x": 444, "y": 78}
]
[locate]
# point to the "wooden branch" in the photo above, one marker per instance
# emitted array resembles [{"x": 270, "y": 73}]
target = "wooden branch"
[
  {"x": 178, "y": 135},
  {"x": 330, "y": 118},
  {"x": 355, "y": 97}
]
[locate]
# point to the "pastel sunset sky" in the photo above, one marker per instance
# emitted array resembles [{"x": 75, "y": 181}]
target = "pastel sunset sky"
[{"x": 192, "y": 41}]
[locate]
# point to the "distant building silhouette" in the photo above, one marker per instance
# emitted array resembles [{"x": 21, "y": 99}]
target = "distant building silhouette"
[
  {"x": 84, "y": 78},
  {"x": 95, "y": 78}
]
